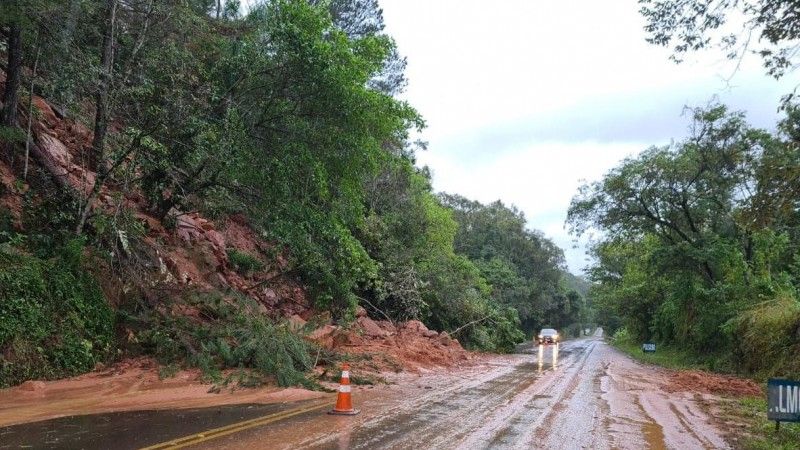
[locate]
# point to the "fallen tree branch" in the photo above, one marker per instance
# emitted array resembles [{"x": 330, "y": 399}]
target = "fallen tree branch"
[
  {"x": 377, "y": 309},
  {"x": 474, "y": 322},
  {"x": 264, "y": 281}
]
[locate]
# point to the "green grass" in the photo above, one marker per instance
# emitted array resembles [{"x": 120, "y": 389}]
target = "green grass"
[
  {"x": 759, "y": 433},
  {"x": 244, "y": 263},
  {"x": 665, "y": 356}
]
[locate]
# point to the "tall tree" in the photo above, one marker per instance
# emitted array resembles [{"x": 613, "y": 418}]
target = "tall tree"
[
  {"x": 104, "y": 84},
  {"x": 735, "y": 26},
  {"x": 13, "y": 74},
  {"x": 101, "y": 111},
  {"x": 362, "y": 18}
]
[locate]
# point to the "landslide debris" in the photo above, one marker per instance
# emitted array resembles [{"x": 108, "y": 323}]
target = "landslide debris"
[
  {"x": 194, "y": 255},
  {"x": 379, "y": 345},
  {"x": 711, "y": 383}
]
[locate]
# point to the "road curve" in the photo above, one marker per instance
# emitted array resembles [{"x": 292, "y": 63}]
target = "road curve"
[{"x": 579, "y": 394}]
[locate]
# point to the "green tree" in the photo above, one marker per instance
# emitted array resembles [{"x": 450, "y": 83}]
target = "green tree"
[
  {"x": 687, "y": 243},
  {"x": 734, "y": 26}
]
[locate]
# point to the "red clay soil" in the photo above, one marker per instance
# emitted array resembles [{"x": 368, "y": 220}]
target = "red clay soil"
[
  {"x": 699, "y": 381},
  {"x": 127, "y": 386},
  {"x": 193, "y": 254},
  {"x": 381, "y": 346},
  {"x": 10, "y": 200}
]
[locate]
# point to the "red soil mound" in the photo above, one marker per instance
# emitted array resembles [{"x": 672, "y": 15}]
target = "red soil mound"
[
  {"x": 698, "y": 381},
  {"x": 383, "y": 346}
]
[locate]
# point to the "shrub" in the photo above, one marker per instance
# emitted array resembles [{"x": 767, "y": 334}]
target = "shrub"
[
  {"x": 55, "y": 320},
  {"x": 621, "y": 336},
  {"x": 230, "y": 334},
  {"x": 766, "y": 338},
  {"x": 243, "y": 262}
]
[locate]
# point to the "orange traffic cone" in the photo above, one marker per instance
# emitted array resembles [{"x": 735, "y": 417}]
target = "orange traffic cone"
[{"x": 344, "y": 404}]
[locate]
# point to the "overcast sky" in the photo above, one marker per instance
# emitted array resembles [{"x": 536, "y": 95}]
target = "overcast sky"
[{"x": 524, "y": 99}]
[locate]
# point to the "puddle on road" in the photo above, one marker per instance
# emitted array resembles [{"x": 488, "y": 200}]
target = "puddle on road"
[{"x": 654, "y": 436}]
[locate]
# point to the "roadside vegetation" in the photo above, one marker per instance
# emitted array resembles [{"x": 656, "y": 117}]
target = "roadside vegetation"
[
  {"x": 700, "y": 239},
  {"x": 285, "y": 114},
  {"x": 699, "y": 248},
  {"x": 759, "y": 433},
  {"x": 669, "y": 356}
]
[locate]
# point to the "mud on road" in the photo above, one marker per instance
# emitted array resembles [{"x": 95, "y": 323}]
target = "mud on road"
[{"x": 578, "y": 394}]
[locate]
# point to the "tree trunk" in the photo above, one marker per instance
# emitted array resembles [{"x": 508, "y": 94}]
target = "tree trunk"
[
  {"x": 101, "y": 99},
  {"x": 101, "y": 114},
  {"x": 219, "y": 8},
  {"x": 13, "y": 76},
  {"x": 30, "y": 109}
]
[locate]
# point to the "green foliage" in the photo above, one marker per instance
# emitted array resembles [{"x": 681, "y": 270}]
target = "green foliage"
[
  {"x": 671, "y": 356},
  {"x": 760, "y": 432},
  {"x": 699, "y": 243},
  {"x": 230, "y": 333},
  {"x": 523, "y": 267},
  {"x": 56, "y": 321},
  {"x": 243, "y": 262},
  {"x": 11, "y": 135},
  {"x": 766, "y": 338},
  {"x": 692, "y": 25},
  {"x": 286, "y": 115},
  {"x": 621, "y": 336}
]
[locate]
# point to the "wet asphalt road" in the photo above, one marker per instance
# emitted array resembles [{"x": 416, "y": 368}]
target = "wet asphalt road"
[
  {"x": 579, "y": 394},
  {"x": 128, "y": 430}
]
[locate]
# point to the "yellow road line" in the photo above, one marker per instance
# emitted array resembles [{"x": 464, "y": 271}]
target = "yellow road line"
[{"x": 233, "y": 428}]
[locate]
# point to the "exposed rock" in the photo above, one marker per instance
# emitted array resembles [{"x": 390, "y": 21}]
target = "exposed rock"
[
  {"x": 296, "y": 322},
  {"x": 370, "y": 327},
  {"x": 324, "y": 335},
  {"x": 55, "y": 157},
  {"x": 387, "y": 326},
  {"x": 361, "y": 312},
  {"x": 415, "y": 326},
  {"x": 430, "y": 334},
  {"x": 45, "y": 112},
  {"x": 222, "y": 281},
  {"x": 342, "y": 339}
]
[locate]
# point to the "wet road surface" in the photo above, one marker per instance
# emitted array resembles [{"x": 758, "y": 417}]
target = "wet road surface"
[
  {"x": 130, "y": 430},
  {"x": 578, "y": 394}
]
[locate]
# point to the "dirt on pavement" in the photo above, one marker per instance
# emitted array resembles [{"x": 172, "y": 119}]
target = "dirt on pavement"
[
  {"x": 381, "y": 346},
  {"x": 378, "y": 350},
  {"x": 128, "y": 386},
  {"x": 711, "y": 383},
  {"x": 579, "y": 394}
]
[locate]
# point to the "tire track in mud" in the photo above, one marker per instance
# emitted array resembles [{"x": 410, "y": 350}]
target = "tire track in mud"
[
  {"x": 516, "y": 421},
  {"x": 574, "y": 419},
  {"x": 658, "y": 420},
  {"x": 473, "y": 412},
  {"x": 594, "y": 397}
]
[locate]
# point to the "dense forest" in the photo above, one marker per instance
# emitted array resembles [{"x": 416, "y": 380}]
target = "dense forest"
[
  {"x": 699, "y": 242},
  {"x": 284, "y": 117}
]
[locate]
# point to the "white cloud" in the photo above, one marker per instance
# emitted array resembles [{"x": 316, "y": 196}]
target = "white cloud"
[{"x": 525, "y": 98}]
